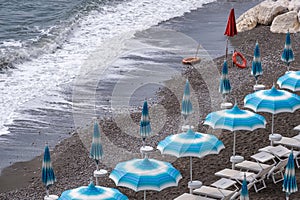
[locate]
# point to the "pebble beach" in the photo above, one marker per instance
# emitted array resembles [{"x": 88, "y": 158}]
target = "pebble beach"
[{"x": 73, "y": 167}]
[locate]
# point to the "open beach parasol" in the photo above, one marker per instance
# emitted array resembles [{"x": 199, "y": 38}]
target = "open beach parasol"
[
  {"x": 231, "y": 29},
  {"x": 256, "y": 69},
  {"x": 287, "y": 55},
  {"x": 290, "y": 81},
  {"x": 145, "y": 174},
  {"x": 289, "y": 182},
  {"x": 190, "y": 144},
  {"x": 224, "y": 87},
  {"x": 48, "y": 177},
  {"x": 235, "y": 119},
  {"x": 92, "y": 192},
  {"x": 272, "y": 101},
  {"x": 96, "y": 151},
  {"x": 186, "y": 107}
]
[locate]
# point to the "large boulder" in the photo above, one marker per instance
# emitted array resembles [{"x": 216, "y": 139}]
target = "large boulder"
[
  {"x": 268, "y": 10},
  {"x": 299, "y": 16},
  {"x": 283, "y": 23},
  {"x": 294, "y": 5},
  {"x": 263, "y": 13}
]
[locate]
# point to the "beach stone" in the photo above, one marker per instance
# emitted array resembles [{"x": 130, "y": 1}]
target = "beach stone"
[
  {"x": 263, "y": 13},
  {"x": 283, "y": 23},
  {"x": 294, "y": 5}
]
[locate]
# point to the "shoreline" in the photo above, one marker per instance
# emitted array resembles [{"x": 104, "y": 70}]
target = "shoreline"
[{"x": 245, "y": 43}]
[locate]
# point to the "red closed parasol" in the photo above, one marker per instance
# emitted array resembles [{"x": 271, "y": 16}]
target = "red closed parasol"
[
  {"x": 231, "y": 25},
  {"x": 230, "y": 28}
]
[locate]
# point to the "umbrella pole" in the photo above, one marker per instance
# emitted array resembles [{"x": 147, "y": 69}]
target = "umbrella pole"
[
  {"x": 272, "y": 129},
  {"x": 97, "y": 168},
  {"x": 144, "y": 194},
  {"x": 233, "y": 149},
  {"x": 191, "y": 168},
  {"x": 47, "y": 191},
  {"x": 226, "y": 54}
]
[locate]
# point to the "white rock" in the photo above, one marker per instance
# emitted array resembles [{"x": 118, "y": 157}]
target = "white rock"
[
  {"x": 263, "y": 13},
  {"x": 294, "y": 5},
  {"x": 268, "y": 10},
  {"x": 283, "y": 23}
]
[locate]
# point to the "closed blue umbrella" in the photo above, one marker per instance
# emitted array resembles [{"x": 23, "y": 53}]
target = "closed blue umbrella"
[
  {"x": 290, "y": 81},
  {"x": 145, "y": 174},
  {"x": 186, "y": 107},
  {"x": 289, "y": 183},
  {"x": 287, "y": 55},
  {"x": 145, "y": 127},
  {"x": 224, "y": 87},
  {"x": 256, "y": 69},
  {"x": 92, "y": 192},
  {"x": 272, "y": 101},
  {"x": 96, "y": 151},
  {"x": 190, "y": 144},
  {"x": 244, "y": 192},
  {"x": 235, "y": 119},
  {"x": 48, "y": 177}
]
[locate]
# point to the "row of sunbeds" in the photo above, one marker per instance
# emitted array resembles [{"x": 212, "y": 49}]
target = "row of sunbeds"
[{"x": 269, "y": 162}]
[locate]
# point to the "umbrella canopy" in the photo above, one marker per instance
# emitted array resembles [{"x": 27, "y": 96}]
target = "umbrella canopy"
[
  {"x": 92, "y": 192},
  {"x": 145, "y": 127},
  {"x": 289, "y": 182},
  {"x": 235, "y": 119},
  {"x": 231, "y": 30},
  {"x": 96, "y": 151},
  {"x": 244, "y": 192},
  {"x": 224, "y": 87},
  {"x": 256, "y": 70},
  {"x": 190, "y": 144},
  {"x": 290, "y": 81},
  {"x": 287, "y": 54},
  {"x": 186, "y": 107},
  {"x": 143, "y": 174},
  {"x": 272, "y": 101},
  {"x": 48, "y": 177}
]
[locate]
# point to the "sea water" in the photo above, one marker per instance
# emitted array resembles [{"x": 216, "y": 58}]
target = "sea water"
[{"x": 44, "y": 46}]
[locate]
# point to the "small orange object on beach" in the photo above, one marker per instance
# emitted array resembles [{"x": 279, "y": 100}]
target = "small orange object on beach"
[
  {"x": 244, "y": 61},
  {"x": 191, "y": 60}
]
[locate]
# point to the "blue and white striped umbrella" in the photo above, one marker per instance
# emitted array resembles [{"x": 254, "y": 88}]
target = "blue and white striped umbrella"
[
  {"x": 256, "y": 69},
  {"x": 272, "y": 101},
  {"x": 235, "y": 119},
  {"x": 190, "y": 144},
  {"x": 287, "y": 54},
  {"x": 224, "y": 87},
  {"x": 48, "y": 177},
  {"x": 92, "y": 192},
  {"x": 244, "y": 192},
  {"x": 290, "y": 81},
  {"x": 96, "y": 151},
  {"x": 289, "y": 183},
  {"x": 145, "y": 127},
  {"x": 145, "y": 174},
  {"x": 186, "y": 107}
]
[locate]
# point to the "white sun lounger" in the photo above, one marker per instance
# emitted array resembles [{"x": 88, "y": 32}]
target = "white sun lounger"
[
  {"x": 282, "y": 152},
  {"x": 209, "y": 191},
  {"x": 251, "y": 166},
  {"x": 250, "y": 177},
  {"x": 277, "y": 170},
  {"x": 187, "y": 196}
]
